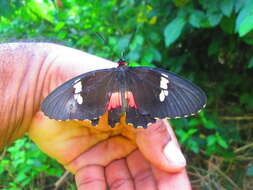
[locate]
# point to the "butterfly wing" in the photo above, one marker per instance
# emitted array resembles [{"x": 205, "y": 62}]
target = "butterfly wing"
[
  {"x": 83, "y": 97},
  {"x": 157, "y": 93},
  {"x": 162, "y": 94}
]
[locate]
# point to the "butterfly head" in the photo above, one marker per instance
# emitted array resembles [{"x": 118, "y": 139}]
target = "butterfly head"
[{"x": 121, "y": 62}]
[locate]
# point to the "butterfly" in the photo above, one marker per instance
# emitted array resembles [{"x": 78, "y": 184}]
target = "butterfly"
[{"x": 143, "y": 94}]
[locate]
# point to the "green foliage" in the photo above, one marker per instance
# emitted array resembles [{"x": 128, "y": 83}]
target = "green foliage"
[
  {"x": 207, "y": 41},
  {"x": 23, "y": 164},
  {"x": 171, "y": 32},
  {"x": 244, "y": 21}
]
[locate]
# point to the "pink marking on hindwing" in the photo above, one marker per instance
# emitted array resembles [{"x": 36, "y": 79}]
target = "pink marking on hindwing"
[{"x": 115, "y": 100}]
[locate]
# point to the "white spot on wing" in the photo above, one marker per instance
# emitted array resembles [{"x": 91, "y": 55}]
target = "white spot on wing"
[
  {"x": 164, "y": 86},
  {"x": 164, "y": 83},
  {"x": 78, "y": 87},
  {"x": 163, "y": 74},
  {"x": 78, "y": 98},
  {"x": 162, "y": 96}
]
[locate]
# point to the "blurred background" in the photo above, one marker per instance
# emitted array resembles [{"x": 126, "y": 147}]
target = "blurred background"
[{"x": 209, "y": 42}]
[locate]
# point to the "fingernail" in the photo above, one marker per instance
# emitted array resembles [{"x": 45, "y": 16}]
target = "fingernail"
[{"x": 174, "y": 154}]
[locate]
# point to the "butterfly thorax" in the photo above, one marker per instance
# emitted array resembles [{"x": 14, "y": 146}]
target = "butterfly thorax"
[
  {"x": 121, "y": 80},
  {"x": 121, "y": 62}
]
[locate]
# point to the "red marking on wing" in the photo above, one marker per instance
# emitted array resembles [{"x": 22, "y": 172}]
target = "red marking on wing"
[
  {"x": 121, "y": 63},
  {"x": 115, "y": 100},
  {"x": 130, "y": 98}
]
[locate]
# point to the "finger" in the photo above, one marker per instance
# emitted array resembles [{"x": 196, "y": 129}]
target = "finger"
[
  {"x": 159, "y": 145},
  {"x": 167, "y": 180},
  {"x": 103, "y": 153},
  {"x": 118, "y": 176},
  {"x": 90, "y": 177},
  {"x": 141, "y": 171}
]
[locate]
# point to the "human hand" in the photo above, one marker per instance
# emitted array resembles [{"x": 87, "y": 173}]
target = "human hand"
[{"x": 122, "y": 157}]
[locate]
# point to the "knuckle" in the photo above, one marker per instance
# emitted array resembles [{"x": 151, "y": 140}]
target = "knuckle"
[
  {"x": 119, "y": 183},
  {"x": 143, "y": 176},
  {"x": 84, "y": 181}
]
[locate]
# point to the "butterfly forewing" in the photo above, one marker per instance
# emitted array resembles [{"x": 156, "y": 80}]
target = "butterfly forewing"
[
  {"x": 162, "y": 94},
  {"x": 83, "y": 97}
]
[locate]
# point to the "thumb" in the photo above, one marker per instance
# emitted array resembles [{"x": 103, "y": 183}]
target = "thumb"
[{"x": 159, "y": 145}]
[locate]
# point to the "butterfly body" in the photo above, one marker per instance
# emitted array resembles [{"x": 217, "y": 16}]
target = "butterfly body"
[{"x": 143, "y": 94}]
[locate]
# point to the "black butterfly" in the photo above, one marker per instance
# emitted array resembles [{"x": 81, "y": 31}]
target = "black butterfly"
[{"x": 143, "y": 93}]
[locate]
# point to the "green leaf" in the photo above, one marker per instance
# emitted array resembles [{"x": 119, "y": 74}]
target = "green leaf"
[
  {"x": 239, "y": 4},
  {"x": 59, "y": 26},
  {"x": 42, "y": 10},
  {"x": 199, "y": 19},
  {"x": 250, "y": 64},
  {"x": 228, "y": 24},
  {"x": 137, "y": 42},
  {"x": 194, "y": 122},
  {"x": 173, "y": 30},
  {"x": 196, "y": 18},
  {"x": 211, "y": 140},
  {"x": 194, "y": 146},
  {"x": 123, "y": 43},
  {"x": 134, "y": 55},
  {"x": 156, "y": 56},
  {"x": 226, "y": 7},
  {"x": 244, "y": 21},
  {"x": 20, "y": 177},
  {"x": 246, "y": 25},
  {"x": 188, "y": 134},
  {"x": 147, "y": 58},
  {"x": 222, "y": 142},
  {"x": 214, "y": 18},
  {"x": 209, "y": 124}
]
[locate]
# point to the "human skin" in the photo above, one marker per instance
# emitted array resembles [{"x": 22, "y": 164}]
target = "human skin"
[{"x": 100, "y": 156}]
